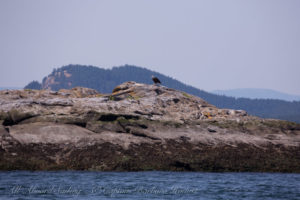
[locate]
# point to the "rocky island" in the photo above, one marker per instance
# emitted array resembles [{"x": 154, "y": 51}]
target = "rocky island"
[{"x": 138, "y": 127}]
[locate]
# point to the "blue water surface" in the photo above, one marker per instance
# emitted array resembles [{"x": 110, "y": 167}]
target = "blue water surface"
[{"x": 147, "y": 185}]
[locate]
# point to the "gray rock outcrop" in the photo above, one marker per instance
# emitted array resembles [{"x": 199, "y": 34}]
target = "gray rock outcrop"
[{"x": 138, "y": 127}]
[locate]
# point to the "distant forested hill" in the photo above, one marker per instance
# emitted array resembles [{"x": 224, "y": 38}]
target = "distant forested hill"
[
  {"x": 257, "y": 93},
  {"x": 104, "y": 80}
]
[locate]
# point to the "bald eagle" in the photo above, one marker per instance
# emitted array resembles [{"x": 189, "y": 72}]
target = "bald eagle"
[{"x": 155, "y": 80}]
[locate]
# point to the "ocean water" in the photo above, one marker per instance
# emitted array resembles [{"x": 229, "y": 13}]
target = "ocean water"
[{"x": 148, "y": 185}]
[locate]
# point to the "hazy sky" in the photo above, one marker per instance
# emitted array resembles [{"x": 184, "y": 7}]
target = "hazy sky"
[{"x": 208, "y": 44}]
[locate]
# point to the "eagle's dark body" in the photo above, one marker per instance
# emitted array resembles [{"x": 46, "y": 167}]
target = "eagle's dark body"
[{"x": 155, "y": 80}]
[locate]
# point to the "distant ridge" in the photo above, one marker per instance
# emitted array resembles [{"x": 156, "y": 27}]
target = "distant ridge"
[
  {"x": 10, "y": 88},
  {"x": 256, "y": 93},
  {"x": 104, "y": 80}
]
